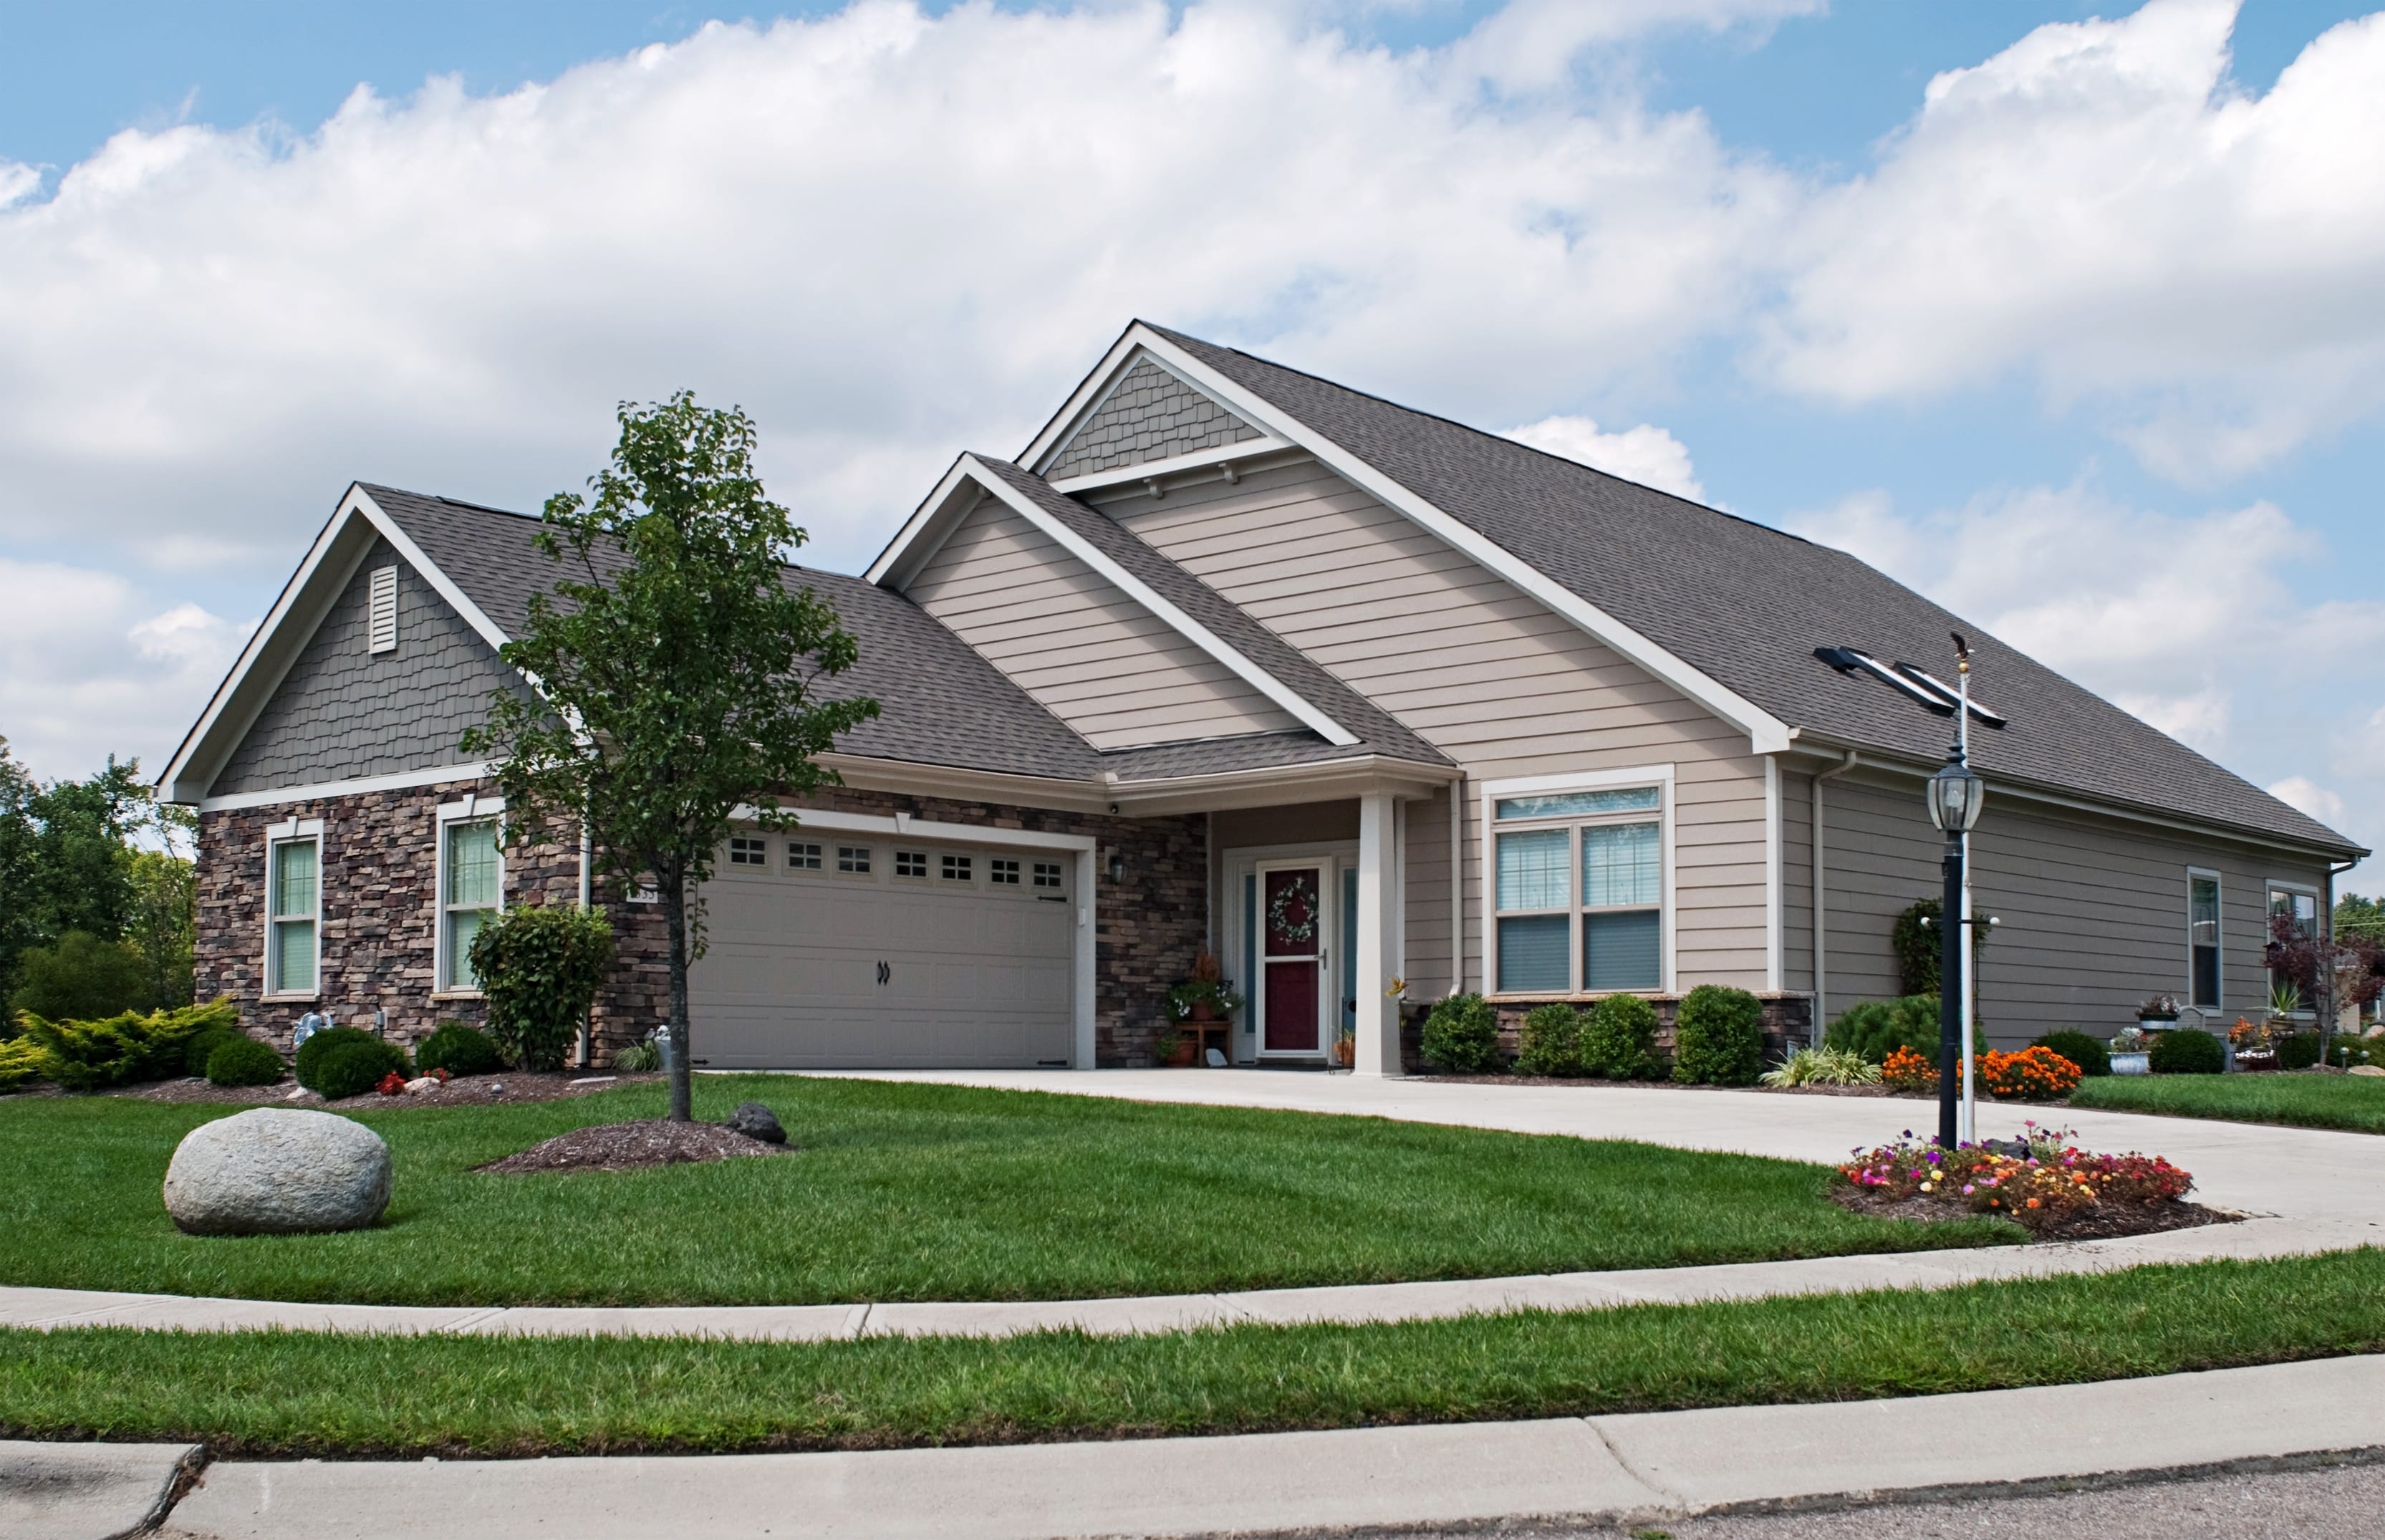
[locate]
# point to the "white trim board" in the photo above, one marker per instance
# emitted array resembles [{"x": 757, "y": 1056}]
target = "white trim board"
[
  {"x": 901, "y": 560},
  {"x": 1197, "y": 459},
  {"x": 437, "y": 775},
  {"x": 897, "y": 824}
]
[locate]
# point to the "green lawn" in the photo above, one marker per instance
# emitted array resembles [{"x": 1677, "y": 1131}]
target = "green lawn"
[
  {"x": 920, "y": 1191},
  {"x": 301, "y": 1394},
  {"x": 2355, "y": 1102}
]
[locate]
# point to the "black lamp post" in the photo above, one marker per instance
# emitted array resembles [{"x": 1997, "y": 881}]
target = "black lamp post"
[{"x": 1956, "y": 794}]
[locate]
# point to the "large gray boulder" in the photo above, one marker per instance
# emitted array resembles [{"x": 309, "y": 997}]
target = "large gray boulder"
[{"x": 278, "y": 1170}]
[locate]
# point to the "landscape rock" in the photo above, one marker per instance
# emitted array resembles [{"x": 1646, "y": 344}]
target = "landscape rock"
[
  {"x": 278, "y": 1170},
  {"x": 2368, "y": 1068},
  {"x": 756, "y": 1121}
]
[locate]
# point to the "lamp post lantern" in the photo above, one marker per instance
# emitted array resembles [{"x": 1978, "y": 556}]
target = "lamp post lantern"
[{"x": 1955, "y": 794}]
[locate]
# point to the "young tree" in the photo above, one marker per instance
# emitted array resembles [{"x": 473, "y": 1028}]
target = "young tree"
[{"x": 679, "y": 670}]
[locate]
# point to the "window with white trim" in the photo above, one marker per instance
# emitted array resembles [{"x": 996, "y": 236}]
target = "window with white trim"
[
  {"x": 471, "y": 880},
  {"x": 2203, "y": 940},
  {"x": 1047, "y": 875},
  {"x": 803, "y": 855},
  {"x": 2300, "y": 906},
  {"x": 748, "y": 850},
  {"x": 959, "y": 869},
  {"x": 1578, "y": 890},
  {"x": 1002, "y": 871},
  {"x": 910, "y": 863},
  {"x": 853, "y": 859},
  {"x": 294, "y": 897}
]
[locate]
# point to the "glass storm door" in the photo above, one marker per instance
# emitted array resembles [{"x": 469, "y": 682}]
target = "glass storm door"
[{"x": 1291, "y": 920}]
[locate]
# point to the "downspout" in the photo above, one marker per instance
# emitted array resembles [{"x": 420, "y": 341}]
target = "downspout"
[
  {"x": 1457, "y": 886},
  {"x": 2327, "y": 987},
  {"x": 587, "y": 852},
  {"x": 1821, "y": 965}
]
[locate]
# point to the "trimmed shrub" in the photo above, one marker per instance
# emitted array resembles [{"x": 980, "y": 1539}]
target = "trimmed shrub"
[
  {"x": 2298, "y": 1050},
  {"x": 1618, "y": 1040},
  {"x": 1718, "y": 1037},
  {"x": 352, "y": 1067},
  {"x": 1550, "y": 1041},
  {"x": 240, "y": 1059},
  {"x": 2187, "y": 1051},
  {"x": 196, "y": 1052},
  {"x": 309, "y": 1061},
  {"x": 85, "y": 1055},
  {"x": 1876, "y": 1029},
  {"x": 2090, "y": 1056},
  {"x": 458, "y": 1049},
  {"x": 1461, "y": 1035},
  {"x": 540, "y": 969},
  {"x": 80, "y": 978}
]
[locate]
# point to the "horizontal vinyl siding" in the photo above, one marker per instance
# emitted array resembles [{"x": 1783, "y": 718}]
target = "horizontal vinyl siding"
[
  {"x": 1486, "y": 674},
  {"x": 1093, "y": 656},
  {"x": 2092, "y": 912}
]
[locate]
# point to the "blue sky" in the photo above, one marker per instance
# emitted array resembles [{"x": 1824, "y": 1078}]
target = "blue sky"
[{"x": 1725, "y": 243}]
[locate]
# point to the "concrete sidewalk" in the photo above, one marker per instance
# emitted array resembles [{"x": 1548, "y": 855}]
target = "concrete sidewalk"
[
  {"x": 49, "y": 1310},
  {"x": 1651, "y": 1466},
  {"x": 71, "y": 1491}
]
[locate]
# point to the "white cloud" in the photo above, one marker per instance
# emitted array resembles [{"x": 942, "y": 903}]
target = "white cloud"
[
  {"x": 2098, "y": 208},
  {"x": 1646, "y": 454},
  {"x": 1531, "y": 44},
  {"x": 85, "y": 673},
  {"x": 2301, "y": 792},
  {"x": 885, "y": 235},
  {"x": 2191, "y": 624}
]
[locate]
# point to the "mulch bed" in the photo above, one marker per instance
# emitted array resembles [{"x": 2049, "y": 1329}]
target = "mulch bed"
[
  {"x": 2100, "y": 1223},
  {"x": 630, "y": 1147},
  {"x": 464, "y": 1090}
]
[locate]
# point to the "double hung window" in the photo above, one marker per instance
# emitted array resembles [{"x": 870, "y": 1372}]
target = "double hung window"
[
  {"x": 2299, "y": 906},
  {"x": 295, "y": 893},
  {"x": 469, "y": 882},
  {"x": 1579, "y": 886}
]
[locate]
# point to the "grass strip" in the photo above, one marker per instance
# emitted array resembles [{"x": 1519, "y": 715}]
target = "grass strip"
[
  {"x": 2354, "y": 1103},
  {"x": 293, "y": 1394},
  {"x": 922, "y": 1192}
]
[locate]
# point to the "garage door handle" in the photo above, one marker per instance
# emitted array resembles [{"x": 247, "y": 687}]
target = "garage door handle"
[{"x": 885, "y": 972}]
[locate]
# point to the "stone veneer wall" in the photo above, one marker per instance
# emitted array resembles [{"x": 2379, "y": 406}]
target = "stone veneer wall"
[
  {"x": 379, "y": 866},
  {"x": 379, "y": 855}
]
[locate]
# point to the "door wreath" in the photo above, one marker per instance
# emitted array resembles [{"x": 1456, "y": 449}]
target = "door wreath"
[{"x": 1299, "y": 932}]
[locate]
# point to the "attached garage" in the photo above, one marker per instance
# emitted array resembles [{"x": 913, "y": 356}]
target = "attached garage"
[{"x": 878, "y": 943}]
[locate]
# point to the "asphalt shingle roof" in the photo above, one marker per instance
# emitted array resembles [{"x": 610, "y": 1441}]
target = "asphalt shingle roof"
[{"x": 1748, "y": 605}]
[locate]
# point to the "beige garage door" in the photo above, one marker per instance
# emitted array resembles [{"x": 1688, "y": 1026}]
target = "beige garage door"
[{"x": 871, "y": 953}]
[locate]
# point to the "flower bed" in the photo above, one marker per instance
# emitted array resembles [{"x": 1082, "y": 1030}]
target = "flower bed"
[
  {"x": 2043, "y": 1183},
  {"x": 2032, "y": 1075}
]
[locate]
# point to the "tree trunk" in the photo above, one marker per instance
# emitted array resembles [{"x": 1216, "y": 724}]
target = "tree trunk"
[{"x": 682, "y": 1071}]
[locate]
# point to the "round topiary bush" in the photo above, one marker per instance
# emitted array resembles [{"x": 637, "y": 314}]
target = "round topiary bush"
[
  {"x": 353, "y": 1067},
  {"x": 1461, "y": 1035},
  {"x": 308, "y": 1059},
  {"x": 1550, "y": 1041},
  {"x": 2091, "y": 1057},
  {"x": 1718, "y": 1037},
  {"x": 2298, "y": 1050},
  {"x": 240, "y": 1059},
  {"x": 1619, "y": 1042},
  {"x": 201, "y": 1048},
  {"x": 2187, "y": 1051},
  {"x": 458, "y": 1049}
]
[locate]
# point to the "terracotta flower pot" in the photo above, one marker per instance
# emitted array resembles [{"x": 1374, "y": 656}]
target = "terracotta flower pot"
[{"x": 1181, "y": 1057}]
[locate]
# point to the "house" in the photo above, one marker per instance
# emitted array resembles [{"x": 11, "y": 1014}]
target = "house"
[{"x": 1233, "y": 655}]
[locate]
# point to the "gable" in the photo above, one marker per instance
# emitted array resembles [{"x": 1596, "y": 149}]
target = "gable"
[
  {"x": 1114, "y": 671},
  {"x": 1150, "y": 415},
  {"x": 343, "y": 711}
]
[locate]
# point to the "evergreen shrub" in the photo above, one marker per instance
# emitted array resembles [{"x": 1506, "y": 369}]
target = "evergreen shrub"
[
  {"x": 459, "y": 1049},
  {"x": 2187, "y": 1051},
  {"x": 1550, "y": 1041},
  {"x": 1461, "y": 1035},
  {"x": 1718, "y": 1037},
  {"x": 354, "y": 1066},
  {"x": 240, "y": 1059},
  {"x": 540, "y": 968},
  {"x": 201, "y": 1048},
  {"x": 2091, "y": 1057},
  {"x": 87, "y": 1055},
  {"x": 1618, "y": 1040}
]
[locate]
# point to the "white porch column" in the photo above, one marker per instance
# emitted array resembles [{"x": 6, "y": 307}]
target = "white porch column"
[{"x": 1378, "y": 1015}]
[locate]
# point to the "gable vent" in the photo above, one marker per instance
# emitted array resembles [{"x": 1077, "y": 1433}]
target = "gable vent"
[{"x": 381, "y": 627}]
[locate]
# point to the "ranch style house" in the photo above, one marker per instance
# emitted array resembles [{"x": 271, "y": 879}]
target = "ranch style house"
[{"x": 1374, "y": 706}]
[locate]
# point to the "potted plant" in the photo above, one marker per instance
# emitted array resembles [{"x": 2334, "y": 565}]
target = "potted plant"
[
  {"x": 2158, "y": 1014},
  {"x": 2129, "y": 1052},
  {"x": 1345, "y": 1048},
  {"x": 2255, "y": 1045},
  {"x": 1205, "y": 996},
  {"x": 1174, "y": 1049}
]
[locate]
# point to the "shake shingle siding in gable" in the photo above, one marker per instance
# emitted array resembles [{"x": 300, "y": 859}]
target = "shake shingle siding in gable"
[
  {"x": 1487, "y": 676},
  {"x": 343, "y": 712},
  {"x": 1151, "y": 416},
  {"x": 1747, "y": 605},
  {"x": 1112, "y": 671}
]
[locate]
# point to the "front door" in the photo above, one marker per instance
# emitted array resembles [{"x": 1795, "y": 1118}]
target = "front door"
[{"x": 1292, "y": 958}]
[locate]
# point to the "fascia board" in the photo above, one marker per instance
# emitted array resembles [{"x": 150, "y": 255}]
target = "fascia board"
[
  {"x": 269, "y": 650},
  {"x": 1090, "y": 394},
  {"x": 1197, "y": 459},
  {"x": 1767, "y": 734},
  {"x": 440, "y": 581},
  {"x": 923, "y": 533},
  {"x": 1136, "y": 589}
]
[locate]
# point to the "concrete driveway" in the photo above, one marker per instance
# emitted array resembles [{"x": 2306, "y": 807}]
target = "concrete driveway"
[{"x": 2301, "y": 1173}]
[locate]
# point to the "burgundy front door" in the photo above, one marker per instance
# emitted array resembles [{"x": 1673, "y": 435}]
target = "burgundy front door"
[{"x": 1292, "y": 958}]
